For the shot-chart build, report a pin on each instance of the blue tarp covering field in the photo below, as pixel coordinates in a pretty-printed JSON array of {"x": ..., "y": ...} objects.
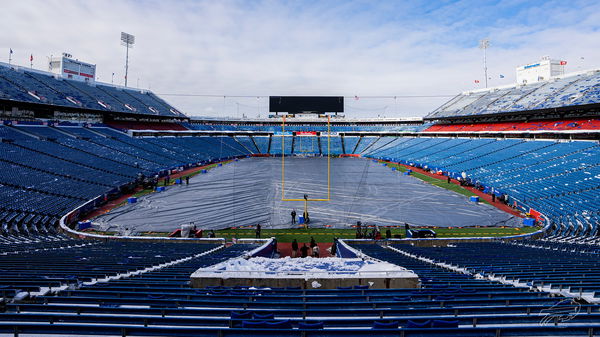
[{"x": 249, "y": 191}]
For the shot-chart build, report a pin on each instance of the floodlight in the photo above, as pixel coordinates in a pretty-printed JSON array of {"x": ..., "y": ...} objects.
[
  {"x": 127, "y": 40},
  {"x": 484, "y": 44}
]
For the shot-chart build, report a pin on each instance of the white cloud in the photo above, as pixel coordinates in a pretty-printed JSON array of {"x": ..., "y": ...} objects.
[{"x": 304, "y": 48}]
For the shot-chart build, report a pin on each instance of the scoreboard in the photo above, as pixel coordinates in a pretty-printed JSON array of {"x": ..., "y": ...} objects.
[
  {"x": 72, "y": 69},
  {"x": 306, "y": 104}
]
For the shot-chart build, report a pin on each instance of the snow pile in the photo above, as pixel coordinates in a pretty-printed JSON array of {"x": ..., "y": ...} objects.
[{"x": 330, "y": 267}]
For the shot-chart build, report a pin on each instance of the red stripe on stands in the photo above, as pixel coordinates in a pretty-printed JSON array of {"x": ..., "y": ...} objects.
[{"x": 557, "y": 125}]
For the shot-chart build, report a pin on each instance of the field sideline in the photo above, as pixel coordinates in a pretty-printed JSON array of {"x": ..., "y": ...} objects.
[{"x": 327, "y": 235}]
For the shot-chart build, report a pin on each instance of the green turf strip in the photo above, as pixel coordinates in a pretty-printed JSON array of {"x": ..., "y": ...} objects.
[{"x": 327, "y": 235}]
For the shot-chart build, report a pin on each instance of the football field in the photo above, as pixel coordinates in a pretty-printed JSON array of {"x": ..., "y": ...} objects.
[{"x": 251, "y": 191}]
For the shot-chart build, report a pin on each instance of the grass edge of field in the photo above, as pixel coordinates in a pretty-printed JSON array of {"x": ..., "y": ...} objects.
[{"x": 327, "y": 234}]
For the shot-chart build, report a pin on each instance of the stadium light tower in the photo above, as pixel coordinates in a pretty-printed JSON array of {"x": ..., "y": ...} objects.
[
  {"x": 127, "y": 40},
  {"x": 484, "y": 44}
]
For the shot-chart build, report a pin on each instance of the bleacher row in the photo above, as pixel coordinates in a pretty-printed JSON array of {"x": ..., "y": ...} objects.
[
  {"x": 573, "y": 268},
  {"x": 75, "y": 288},
  {"x": 47, "y": 171},
  {"x": 126, "y": 126},
  {"x": 89, "y": 288},
  {"x": 576, "y": 90},
  {"x": 24, "y": 85},
  {"x": 559, "y": 179},
  {"x": 472, "y": 279}
]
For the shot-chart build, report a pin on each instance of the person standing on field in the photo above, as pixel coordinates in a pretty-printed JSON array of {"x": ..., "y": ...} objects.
[
  {"x": 304, "y": 250},
  {"x": 315, "y": 251},
  {"x": 294, "y": 248},
  {"x": 258, "y": 229}
]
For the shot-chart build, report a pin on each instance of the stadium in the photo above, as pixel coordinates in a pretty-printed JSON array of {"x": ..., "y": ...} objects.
[{"x": 124, "y": 214}]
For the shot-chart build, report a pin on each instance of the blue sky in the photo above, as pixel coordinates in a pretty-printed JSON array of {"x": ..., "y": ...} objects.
[{"x": 261, "y": 48}]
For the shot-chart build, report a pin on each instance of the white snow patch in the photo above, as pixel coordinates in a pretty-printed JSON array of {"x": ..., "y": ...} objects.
[{"x": 330, "y": 267}]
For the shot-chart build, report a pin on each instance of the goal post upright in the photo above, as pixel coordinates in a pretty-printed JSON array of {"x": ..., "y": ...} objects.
[
  {"x": 328, "y": 157},
  {"x": 282, "y": 158}
]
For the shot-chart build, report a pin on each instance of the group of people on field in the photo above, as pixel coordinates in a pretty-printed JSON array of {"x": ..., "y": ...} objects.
[
  {"x": 311, "y": 250},
  {"x": 363, "y": 232}
]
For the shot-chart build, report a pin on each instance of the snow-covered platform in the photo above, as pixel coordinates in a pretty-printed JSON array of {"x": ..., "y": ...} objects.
[{"x": 306, "y": 273}]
